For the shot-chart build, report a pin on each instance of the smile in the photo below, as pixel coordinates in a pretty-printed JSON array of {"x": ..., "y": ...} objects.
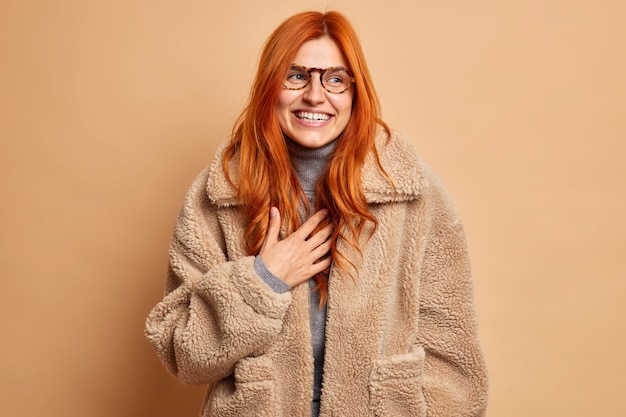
[{"x": 312, "y": 117}]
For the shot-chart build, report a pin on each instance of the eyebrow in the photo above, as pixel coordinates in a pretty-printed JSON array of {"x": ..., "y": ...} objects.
[{"x": 298, "y": 66}]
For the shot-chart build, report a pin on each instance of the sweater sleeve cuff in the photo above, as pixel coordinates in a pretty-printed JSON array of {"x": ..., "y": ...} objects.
[{"x": 275, "y": 283}]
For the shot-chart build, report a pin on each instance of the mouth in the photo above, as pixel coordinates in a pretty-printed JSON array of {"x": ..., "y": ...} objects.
[{"x": 312, "y": 117}]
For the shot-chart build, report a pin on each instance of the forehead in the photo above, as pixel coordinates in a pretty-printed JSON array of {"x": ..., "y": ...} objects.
[{"x": 320, "y": 53}]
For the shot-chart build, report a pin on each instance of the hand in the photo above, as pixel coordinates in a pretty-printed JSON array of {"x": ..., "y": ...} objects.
[{"x": 296, "y": 259}]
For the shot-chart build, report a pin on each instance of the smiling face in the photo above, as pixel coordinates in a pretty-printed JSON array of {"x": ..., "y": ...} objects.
[{"x": 312, "y": 116}]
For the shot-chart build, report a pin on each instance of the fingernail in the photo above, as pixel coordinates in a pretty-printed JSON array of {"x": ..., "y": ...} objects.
[{"x": 273, "y": 211}]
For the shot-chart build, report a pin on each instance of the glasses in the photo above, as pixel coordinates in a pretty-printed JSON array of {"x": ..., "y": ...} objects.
[{"x": 335, "y": 80}]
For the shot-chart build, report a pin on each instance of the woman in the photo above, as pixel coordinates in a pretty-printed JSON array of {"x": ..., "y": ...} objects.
[{"x": 317, "y": 266}]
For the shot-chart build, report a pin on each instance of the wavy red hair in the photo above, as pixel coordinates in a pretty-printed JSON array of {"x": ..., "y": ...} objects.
[{"x": 265, "y": 175}]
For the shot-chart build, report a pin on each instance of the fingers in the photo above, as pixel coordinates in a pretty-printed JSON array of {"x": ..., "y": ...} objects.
[
  {"x": 273, "y": 229},
  {"x": 309, "y": 226},
  {"x": 299, "y": 256},
  {"x": 326, "y": 232},
  {"x": 321, "y": 250},
  {"x": 320, "y": 236},
  {"x": 320, "y": 266}
]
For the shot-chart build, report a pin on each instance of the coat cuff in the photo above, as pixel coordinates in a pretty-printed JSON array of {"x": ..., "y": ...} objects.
[{"x": 275, "y": 283}]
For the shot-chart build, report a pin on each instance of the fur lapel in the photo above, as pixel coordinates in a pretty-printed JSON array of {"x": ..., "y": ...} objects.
[{"x": 397, "y": 156}]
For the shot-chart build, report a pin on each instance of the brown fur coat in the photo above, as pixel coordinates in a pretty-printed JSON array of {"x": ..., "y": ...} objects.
[{"x": 401, "y": 338}]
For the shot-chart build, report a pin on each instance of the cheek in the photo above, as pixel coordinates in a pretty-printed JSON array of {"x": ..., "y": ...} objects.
[
  {"x": 283, "y": 106},
  {"x": 344, "y": 107},
  {"x": 282, "y": 111},
  {"x": 284, "y": 101}
]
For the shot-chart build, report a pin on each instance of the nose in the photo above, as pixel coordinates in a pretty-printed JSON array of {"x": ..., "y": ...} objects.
[{"x": 314, "y": 93}]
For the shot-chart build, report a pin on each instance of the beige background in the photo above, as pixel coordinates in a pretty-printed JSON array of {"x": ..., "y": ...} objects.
[{"x": 109, "y": 108}]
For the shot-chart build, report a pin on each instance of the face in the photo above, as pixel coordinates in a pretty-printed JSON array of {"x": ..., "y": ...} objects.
[{"x": 312, "y": 116}]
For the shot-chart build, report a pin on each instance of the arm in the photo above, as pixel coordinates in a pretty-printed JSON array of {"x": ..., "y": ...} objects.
[
  {"x": 455, "y": 376},
  {"x": 216, "y": 310}
]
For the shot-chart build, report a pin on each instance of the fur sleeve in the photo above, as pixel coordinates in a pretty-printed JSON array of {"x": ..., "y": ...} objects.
[
  {"x": 215, "y": 310},
  {"x": 455, "y": 375}
]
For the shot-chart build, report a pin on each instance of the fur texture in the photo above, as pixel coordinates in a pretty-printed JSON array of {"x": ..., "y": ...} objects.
[{"x": 401, "y": 336}]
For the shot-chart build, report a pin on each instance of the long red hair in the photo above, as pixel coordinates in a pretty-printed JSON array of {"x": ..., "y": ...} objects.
[{"x": 266, "y": 177}]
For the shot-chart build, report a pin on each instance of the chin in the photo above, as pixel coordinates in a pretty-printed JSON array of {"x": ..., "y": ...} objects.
[{"x": 313, "y": 143}]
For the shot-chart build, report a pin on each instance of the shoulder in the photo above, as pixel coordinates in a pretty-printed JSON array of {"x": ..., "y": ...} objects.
[
  {"x": 397, "y": 154},
  {"x": 401, "y": 164},
  {"x": 411, "y": 175},
  {"x": 213, "y": 183}
]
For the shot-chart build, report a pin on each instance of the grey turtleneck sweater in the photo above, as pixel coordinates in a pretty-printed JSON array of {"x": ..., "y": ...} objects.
[{"x": 309, "y": 165}]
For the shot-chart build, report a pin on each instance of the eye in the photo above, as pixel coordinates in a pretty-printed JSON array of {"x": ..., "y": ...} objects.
[
  {"x": 336, "y": 77},
  {"x": 297, "y": 76}
]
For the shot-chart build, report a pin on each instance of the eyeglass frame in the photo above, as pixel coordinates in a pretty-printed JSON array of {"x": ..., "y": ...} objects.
[{"x": 321, "y": 71}]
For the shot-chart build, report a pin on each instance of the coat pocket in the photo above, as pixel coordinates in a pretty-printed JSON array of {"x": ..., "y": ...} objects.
[
  {"x": 396, "y": 386},
  {"x": 248, "y": 393}
]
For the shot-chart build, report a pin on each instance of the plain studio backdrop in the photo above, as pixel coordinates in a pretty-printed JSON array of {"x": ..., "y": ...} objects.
[{"x": 108, "y": 109}]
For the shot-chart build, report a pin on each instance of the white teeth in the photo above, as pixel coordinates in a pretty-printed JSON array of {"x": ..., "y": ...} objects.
[{"x": 314, "y": 117}]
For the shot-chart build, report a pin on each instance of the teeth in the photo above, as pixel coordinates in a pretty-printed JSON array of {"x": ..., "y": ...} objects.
[{"x": 316, "y": 117}]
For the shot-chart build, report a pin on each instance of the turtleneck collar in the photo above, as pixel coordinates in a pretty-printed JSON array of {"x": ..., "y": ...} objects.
[{"x": 309, "y": 163}]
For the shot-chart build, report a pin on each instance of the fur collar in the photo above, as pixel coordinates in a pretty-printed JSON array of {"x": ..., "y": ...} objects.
[{"x": 397, "y": 156}]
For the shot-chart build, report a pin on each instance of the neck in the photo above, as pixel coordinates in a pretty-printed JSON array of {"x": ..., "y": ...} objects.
[{"x": 309, "y": 163}]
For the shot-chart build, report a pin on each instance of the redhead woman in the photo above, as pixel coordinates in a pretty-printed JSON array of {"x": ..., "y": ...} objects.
[{"x": 318, "y": 267}]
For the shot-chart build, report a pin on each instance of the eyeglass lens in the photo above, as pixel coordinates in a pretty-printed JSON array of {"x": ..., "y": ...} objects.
[{"x": 334, "y": 79}]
